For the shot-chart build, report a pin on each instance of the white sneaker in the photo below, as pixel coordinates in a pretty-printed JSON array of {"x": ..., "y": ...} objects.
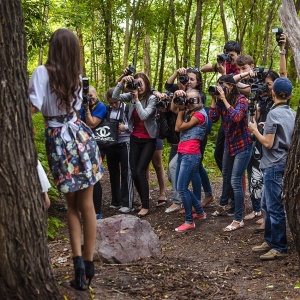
[{"x": 124, "y": 210}]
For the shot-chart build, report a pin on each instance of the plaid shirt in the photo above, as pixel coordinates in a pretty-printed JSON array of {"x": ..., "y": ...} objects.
[{"x": 235, "y": 125}]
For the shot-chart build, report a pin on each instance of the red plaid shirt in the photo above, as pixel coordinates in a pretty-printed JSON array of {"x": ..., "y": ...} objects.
[{"x": 235, "y": 125}]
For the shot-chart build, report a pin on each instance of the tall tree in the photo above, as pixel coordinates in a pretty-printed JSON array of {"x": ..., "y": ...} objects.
[
  {"x": 25, "y": 271},
  {"x": 291, "y": 25}
]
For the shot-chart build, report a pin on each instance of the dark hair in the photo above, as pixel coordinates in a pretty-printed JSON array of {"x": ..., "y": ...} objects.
[
  {"x": 232, "y": 46},
  {"x": 244, "y": 60},
  {"x": 64, "y": 67},
  {"x": 146, "y": 82},
  {"x": 109, "y": 93},
  {"x": 234, "y": 94},
  {"x": 198, "y": 77},
  {"x": 272, "y": 75}
]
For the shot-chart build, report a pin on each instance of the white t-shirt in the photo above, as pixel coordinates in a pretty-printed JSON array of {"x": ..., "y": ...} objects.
[{"x": 41, "y": 96}]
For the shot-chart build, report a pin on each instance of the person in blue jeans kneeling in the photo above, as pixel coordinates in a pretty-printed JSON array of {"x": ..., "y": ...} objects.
[
  {"x": 191, "y": 122},
  {"x": 276, "y": 139}
]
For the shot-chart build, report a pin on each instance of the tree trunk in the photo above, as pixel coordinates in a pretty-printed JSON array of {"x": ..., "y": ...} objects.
[
  {"x": 147, "y": 61},
  {"x": 186, "y": 44},
  {"x": 25, "y": 264},
  {"x": 291, "y": 25},
  {"x": 174, "y": 34},
  {"x": 198, "y": 33},
  {"x": 44, "y": 22},
  {"x": 223, "y": 20},
  {"x": 80, "y": 38},
  {"x": 128, "y": 33},
  {"x": 163, "y": 51}
]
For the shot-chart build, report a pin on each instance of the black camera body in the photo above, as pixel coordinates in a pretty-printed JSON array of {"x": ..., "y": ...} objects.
[
  {"x": 86, "y": 99},
  {"x": 179, "y": 100},
  {"x": 212, "y": 90},
  {"x": 183, "y": 78},
  {"x": 163, "y": 104},
  {"x": 131, "y": 70},
  {"x": 132, "y": 85},
  {"x": 183, "y": 100},
  {"x": 278, "y": 31},
  {"x": 221, "y": 58}
]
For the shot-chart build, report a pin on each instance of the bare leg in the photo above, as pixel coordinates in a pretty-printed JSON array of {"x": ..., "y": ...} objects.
[
  {"x": 85, "y": 205},
  {"x": 74, "y": 223},
  {"x": 160, "y": 173}
]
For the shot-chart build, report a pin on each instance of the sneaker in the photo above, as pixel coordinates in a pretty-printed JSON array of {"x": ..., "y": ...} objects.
[
  {"x": 173, "y": 207},
  {"x": 99, "y": 216},
  {"x": 185, "y": 227},
  {"x": 199, "y": 217},
  {"x": 273, "y": 254},
  {"x": 263, "y": 247},
  {"x": 114, "y": 206},
  {"x": 124, "y": 210}
]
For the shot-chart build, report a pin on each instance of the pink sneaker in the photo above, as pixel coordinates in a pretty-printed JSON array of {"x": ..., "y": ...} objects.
[
  {"x": 185, "y": 227},
  {"x": 200, "y": 217}
]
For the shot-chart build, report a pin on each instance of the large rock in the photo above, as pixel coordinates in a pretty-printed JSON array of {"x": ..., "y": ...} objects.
[{"x": 125, "y": 238}]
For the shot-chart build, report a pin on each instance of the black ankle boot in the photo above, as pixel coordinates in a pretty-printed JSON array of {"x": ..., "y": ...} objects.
[
  {"x": 79, "y": 282},
  {"x": 89, "y": 270}
]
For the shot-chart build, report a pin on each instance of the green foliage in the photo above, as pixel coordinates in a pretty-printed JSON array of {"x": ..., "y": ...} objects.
[
  {"x": 295, "y": 98},
  {"x": 53, "y": 225}
]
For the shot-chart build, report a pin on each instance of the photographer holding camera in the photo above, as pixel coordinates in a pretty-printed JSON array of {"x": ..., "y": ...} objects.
[
  {"x": 92, "y": 113},
  {"x": 191, "y": 122},
  {"x": 226, "y": 61},
  {"x": 232, "y": 107},
  {"x": 143, "y": 127},
  {"x": 276, "y": 139}
]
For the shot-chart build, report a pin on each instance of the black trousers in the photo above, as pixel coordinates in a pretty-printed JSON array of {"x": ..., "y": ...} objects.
[
  {"x": 117, "y": 158},
  {"x": 141, "y": 152},
  {"x": 219, "y": 150},
  {"x": 97, "y": 194}
]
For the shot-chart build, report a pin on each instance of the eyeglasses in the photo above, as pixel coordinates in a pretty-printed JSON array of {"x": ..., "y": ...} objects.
[{"x": 193, "y": 69}]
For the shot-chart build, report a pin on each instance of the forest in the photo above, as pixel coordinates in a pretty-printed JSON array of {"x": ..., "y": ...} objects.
[{"x": 157, "y": 37}]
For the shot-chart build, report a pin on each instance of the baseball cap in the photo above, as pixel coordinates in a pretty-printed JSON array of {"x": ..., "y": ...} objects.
[{"x": 282, "y": 87}]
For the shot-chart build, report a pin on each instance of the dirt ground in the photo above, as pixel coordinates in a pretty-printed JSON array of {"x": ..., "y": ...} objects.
[{"x": 204, "y": 263}]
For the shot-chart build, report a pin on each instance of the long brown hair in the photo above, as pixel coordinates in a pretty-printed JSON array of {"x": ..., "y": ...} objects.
[{"x": 64, "y": 67}]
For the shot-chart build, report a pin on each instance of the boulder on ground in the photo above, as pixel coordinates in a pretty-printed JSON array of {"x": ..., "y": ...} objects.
[{"x": 125, "y": 238}]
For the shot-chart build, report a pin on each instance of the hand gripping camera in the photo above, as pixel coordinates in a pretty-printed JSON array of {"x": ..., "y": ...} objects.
[
  {"x": 221, "y": 58},
  {"x": 86, "y": 99},
  {"x": 278, "y": 31},
  {"x": 132, "y": 85}
]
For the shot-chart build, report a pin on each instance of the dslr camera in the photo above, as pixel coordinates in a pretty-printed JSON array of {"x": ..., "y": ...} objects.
[
  {"x": 86, "y": 99},
  {"x": 183, "y": 100},
  {"x": 221, "y": 58},
  {"x": 278, "y": 31},
  {"x": 163, "y": 104},
  {"x": 183, "y": 78},
  {"x": 212, "y": 90},
  {"x": 131, "y": 70},
  {"x": 133, "y": 85}
]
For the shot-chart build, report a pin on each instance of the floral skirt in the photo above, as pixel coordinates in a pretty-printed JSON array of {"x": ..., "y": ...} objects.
[{"x": 74, "y": 164}]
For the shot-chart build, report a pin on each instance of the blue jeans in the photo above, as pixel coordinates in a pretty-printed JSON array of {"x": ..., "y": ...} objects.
[
  {"x": 200, "y": 179},
  {"x": 172, "y": 178},
  {"x": 275, "y": 223},
  {"x": 233, "y": 169},
  {"x": 187, "y": 165}
]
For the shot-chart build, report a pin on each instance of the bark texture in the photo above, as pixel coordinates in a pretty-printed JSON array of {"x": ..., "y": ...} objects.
[
  {"x": 291, "y": 25},
  {"x": 25, "y": 265}
]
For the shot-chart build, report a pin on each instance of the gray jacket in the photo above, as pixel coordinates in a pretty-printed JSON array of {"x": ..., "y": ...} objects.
[{"x": 146, "y": 110}]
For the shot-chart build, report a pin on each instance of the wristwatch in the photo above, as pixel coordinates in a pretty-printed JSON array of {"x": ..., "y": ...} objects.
[{"x": 282, "y": 52}]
